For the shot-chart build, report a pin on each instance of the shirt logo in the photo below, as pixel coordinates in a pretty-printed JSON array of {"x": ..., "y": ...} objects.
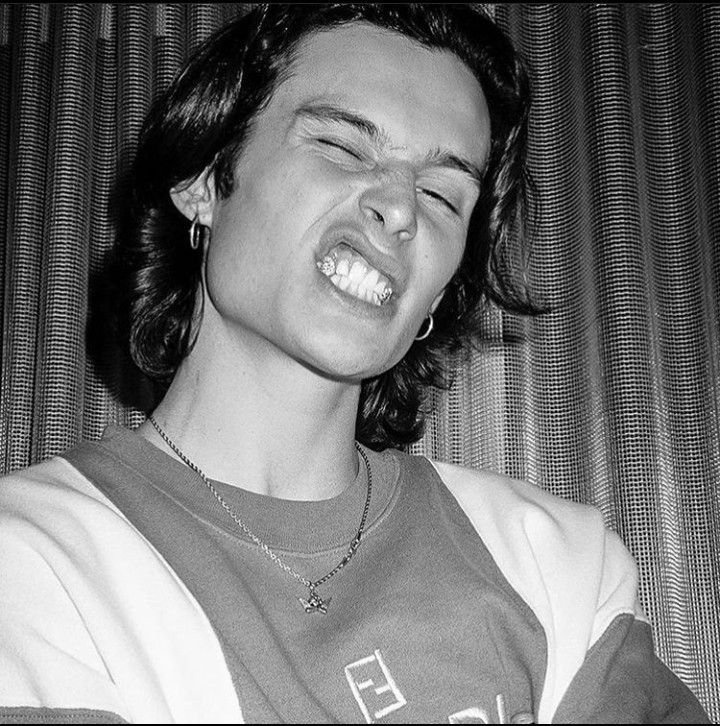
[
  {"x": 480, "y": 715},
  {"x": 377, "y": 694},
  {"x": 373, "y": 687}
]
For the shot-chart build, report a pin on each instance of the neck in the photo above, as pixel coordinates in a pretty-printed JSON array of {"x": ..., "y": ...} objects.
[{"x": 270, "y": 426}]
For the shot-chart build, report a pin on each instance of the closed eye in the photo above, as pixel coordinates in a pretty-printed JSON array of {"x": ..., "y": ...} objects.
[
  {"x": 341, "y": 147},
  {"x": 440, "y": 198}
]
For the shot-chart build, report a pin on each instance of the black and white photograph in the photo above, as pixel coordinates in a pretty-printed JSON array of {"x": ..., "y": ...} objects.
[{"x": 360, "y": 363}]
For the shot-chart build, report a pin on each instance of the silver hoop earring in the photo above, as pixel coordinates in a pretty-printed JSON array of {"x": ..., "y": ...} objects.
[
  {"x": 429, "y": 328},
  {"x": 195, "y": 234}
]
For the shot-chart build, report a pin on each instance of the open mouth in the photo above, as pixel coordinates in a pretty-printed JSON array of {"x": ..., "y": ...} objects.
[{"x": 350, "y": 272}]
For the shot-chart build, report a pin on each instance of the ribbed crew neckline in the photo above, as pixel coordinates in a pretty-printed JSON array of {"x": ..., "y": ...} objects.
[{"x": 302, "y": 527}]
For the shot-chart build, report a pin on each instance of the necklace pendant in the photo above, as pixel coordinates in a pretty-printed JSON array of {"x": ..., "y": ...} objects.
[{"x": 315, "y": 604}]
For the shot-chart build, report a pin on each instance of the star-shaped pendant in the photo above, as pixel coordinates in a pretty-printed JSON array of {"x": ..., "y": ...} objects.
[{"x": 315, "y": 604}]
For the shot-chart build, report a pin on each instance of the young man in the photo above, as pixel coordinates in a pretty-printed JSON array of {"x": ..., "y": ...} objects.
[{"x": 322, "y": 200}]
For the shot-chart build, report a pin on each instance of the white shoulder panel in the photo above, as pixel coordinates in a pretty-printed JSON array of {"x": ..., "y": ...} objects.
[
  {"x": 576, "y": 575},
  {"x": 92, "y": 615}
]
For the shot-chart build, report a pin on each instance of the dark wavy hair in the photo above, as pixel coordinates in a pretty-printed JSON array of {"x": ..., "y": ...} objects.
[{"x": 201, "y": 122}]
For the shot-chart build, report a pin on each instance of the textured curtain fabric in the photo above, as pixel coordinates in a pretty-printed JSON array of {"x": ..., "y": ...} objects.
[{"x": 612, "y": 398}]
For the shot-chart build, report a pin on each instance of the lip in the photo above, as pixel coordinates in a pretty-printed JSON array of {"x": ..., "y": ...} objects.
[
  {"x": 359, "y": 307},
  {"x": 384, "y": 263}
]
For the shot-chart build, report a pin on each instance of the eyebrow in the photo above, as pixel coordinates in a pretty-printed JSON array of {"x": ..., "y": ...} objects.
[
  {"x": 333, "y": 114},
  {"x": 437, "y": 157}
]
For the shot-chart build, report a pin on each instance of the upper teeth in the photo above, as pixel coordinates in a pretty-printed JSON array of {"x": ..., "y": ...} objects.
[{"x": 351, "y": 273}]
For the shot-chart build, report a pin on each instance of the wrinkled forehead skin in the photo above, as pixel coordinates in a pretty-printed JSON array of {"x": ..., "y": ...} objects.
[{"x": 367, "y": 70}]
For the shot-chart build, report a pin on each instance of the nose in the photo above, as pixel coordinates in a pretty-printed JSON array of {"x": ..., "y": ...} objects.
[{"x": 392, "y": 204}]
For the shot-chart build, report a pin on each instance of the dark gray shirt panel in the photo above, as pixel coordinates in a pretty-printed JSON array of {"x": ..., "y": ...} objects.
[{"x": 421, "y": 624}]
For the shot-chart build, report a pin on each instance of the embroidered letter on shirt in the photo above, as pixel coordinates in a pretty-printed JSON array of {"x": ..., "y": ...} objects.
[
  {"x": 480, "y": 715},
  {"x": 373, "y": 687},
  {"x": 470, "y": 715}
]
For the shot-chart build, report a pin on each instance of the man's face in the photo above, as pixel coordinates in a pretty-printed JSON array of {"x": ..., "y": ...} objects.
[{"x": 358, "y": 180}]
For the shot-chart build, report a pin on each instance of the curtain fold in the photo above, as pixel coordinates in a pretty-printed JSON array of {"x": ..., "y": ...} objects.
[{"x": 612, "y": 398}]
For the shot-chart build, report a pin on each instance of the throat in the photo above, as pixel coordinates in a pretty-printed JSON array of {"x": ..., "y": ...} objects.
[{"x": 262, "y": 421}]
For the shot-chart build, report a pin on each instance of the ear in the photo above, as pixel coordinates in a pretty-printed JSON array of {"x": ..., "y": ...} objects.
[
  {"x": 437, "y": 301},
  {"x": 196, "y": 198}
]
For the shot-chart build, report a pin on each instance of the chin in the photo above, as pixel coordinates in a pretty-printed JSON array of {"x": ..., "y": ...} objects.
[
  {"x": 349, "y": 353},
  {"x": 344, "y": 366}
]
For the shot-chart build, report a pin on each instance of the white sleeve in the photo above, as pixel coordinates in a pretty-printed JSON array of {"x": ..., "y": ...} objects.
[
  {"x": 93, "y": 617},
  {"x": 575, "y": 575}
]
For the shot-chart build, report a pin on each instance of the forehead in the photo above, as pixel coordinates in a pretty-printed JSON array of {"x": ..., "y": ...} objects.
[{"x": 424, "y": 98}]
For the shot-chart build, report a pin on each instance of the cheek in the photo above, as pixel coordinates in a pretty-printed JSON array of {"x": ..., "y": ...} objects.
[
  {"x": 440, "y": 261},
  {"x": 292, "y": 201},
  {"x": 237, "y": 251},
  {"x": 227, "y": 274}
]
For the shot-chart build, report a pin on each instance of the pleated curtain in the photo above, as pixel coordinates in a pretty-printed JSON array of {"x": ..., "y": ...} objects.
[{"x": 612, "y": 398}]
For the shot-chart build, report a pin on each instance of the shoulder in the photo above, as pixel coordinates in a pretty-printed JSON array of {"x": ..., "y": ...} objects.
[
  {"x": 91, "y": 610},
  {"x": 519, "y": 520},
  {"x": 53, "y": 480},
  {"x": 53, "y": 505},
  {"x": 520, "y": 516},
  {"x": 496, "y": 493},
  {"x": 575, "y": 574},
  {"x": 48, "y": 527},
  {"x": 514, "y": 517},
  {"x": 55, "y": 523}
]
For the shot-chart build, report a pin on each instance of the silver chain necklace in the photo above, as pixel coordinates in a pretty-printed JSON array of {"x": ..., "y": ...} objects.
[{"x": 314, "y": 603}]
